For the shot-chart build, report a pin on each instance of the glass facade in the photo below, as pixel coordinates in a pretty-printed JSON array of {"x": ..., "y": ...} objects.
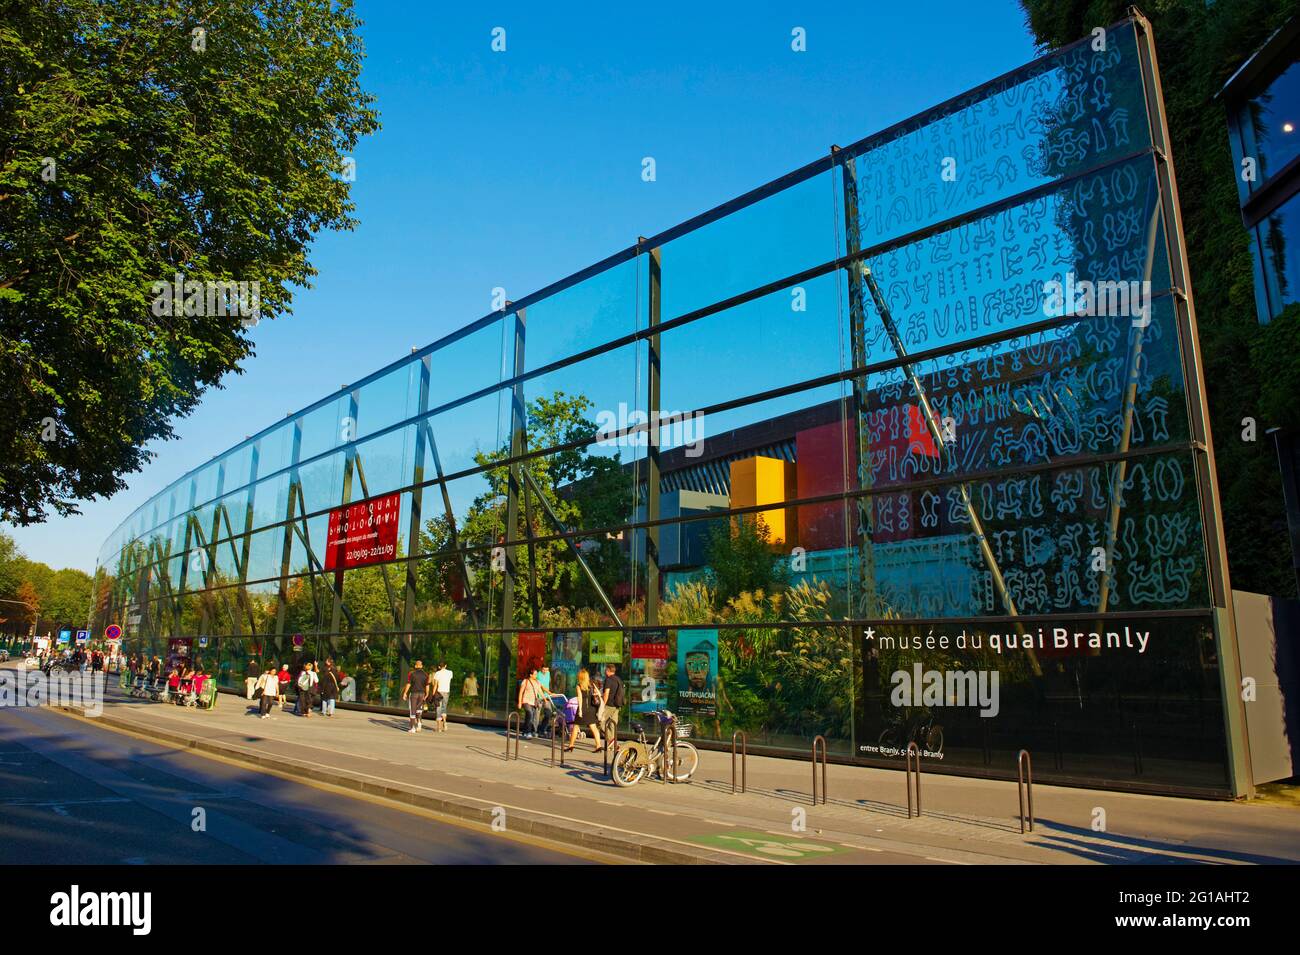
[{"x": 777, "y": 460}]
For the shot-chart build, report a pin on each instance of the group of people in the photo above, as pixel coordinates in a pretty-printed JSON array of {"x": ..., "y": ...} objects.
[
  {"x": 320, "y": 685},
  {"x": 595, "y": 707},
  {"x": 96, "y": 661},
  {"x": 431, "y": 690}
]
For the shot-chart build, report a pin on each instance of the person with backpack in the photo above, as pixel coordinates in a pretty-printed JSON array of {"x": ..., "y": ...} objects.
[
  {"x": 329, "y": 687},
  {"x": 308, "y": 680},
  {"x": 613, "y": 700},
  {"x": 417, "y": 685},
  {"x": 441, "y": 694}
]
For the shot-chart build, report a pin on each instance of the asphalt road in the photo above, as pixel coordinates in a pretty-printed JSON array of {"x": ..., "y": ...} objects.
[{"x": 72, "y": 793}]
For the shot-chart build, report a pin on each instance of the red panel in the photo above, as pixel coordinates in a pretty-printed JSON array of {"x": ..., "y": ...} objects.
[{"x": 819, "y": 469}]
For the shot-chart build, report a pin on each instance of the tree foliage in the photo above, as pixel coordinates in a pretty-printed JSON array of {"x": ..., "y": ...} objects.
[
  {"x": 59, "y": 597},
  {"x": 582, "y": 489},
  {"x": 1251, "y": 371},
  {"x": 141, "y": 139}
]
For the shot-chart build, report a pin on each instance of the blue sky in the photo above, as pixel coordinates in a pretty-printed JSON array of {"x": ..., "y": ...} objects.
[{"x": 515, "y": 169}]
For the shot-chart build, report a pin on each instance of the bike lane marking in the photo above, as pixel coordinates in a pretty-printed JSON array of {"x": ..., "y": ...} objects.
[{"x": 785, "y": 847}]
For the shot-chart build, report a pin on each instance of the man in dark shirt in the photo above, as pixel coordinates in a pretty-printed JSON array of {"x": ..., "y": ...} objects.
[
  {"x": 613, "y": 695},
  {"x": 417, "y": 683}
]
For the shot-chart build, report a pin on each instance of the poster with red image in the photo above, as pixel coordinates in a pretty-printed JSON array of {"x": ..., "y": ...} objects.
[{"x": 363, "y": 533}]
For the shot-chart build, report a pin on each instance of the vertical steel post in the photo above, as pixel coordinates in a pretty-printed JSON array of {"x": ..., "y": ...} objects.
[
  {"x": 652, "y": 444},
  {"x": 868, "y": 602},
  {"x": 286, "y": 553},
  {"x": 518, "y": 443},
  {"x": 417, "y": 499}
]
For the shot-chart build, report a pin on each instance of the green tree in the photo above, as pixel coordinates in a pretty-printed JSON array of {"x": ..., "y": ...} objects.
[
  {"x": 741, "y": 558},
  {"x": 141, "y": 139},
  {"x": 582, "y": 490},
  {"x": 1251, "y": 371}
]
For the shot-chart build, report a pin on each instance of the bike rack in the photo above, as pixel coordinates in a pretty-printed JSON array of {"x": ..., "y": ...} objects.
[
  {"x": 555, "y": 725},
  {"x": 518, "y": 722},
  {"x": 744, "y": 754},
  {"x": 1025, "y": 787},
  {"x": 664, "y": 755},
  {"x": 816, "y": 740},
  {"x": 912, "y": 748}
]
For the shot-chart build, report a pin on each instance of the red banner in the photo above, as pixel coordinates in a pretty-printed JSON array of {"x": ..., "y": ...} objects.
[
  {"x": 532, "y": 651},
  {"x": 650, "y": 651},
  {"x": 363, "y": 533}
]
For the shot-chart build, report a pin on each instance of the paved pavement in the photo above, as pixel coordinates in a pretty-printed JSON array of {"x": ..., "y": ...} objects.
[
  {"x": 72, "y": 792},
  {"x": 966, "y": 821}
]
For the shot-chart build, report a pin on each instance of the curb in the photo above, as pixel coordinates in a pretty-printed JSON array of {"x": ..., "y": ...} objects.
[{"x": 632, "y": 846}]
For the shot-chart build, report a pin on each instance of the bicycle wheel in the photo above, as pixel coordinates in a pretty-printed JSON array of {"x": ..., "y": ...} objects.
[
  {"x": 688, "y": 760},
  {"x": 626, "y": 770},
  {"x": 934, "y": 740}
]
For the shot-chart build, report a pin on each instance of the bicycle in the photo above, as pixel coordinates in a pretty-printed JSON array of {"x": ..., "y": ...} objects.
[
  {"x": 920, "y": 729},
  {"x": 638, "y": 759}
]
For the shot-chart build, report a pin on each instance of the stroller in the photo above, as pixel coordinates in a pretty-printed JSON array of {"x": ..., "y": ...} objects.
[
  {"x": 553, "y": 707},
  {"x": 160, "y": 690},
  {"x": 199, "y": 692}
]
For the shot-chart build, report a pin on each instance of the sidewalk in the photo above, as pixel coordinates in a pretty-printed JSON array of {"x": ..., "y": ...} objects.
[{"x": 463, "y": 772}]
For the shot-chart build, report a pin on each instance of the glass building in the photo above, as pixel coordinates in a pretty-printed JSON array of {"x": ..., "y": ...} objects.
[
  {"x": 1263, "y": 105},
  {"x": 906, "y": 446}
]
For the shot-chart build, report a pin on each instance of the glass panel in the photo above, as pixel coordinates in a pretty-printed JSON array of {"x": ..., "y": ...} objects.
[
  {"x": 1137, "y": 700},
  {"x": 1279, "y": 240},
  {"x": 784, "y": 338},
  {"x": 779, "y": 235},
  {"x": 469, "y": 363},
  {"x": 996, "y": 273},
  {"x": 590, "y": 313},
  {"x": 1270, "y": 124},
  {"x": 1060, "y": 115},
  {"x": 388, "y": 400}
]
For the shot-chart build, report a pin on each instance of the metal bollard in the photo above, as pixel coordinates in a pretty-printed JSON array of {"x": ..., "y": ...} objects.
[
  {"x": 1025, "y": 787},
  {"x": 517, "y": 721},
  {"x": 556, "y": 727},
  {"x": 911, "y": 749},
  {"x": 816, "y": 740},
  {"x": 744, "y": 754}
]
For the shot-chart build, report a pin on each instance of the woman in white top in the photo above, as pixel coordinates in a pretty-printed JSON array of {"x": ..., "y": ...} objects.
[{"x": 269, "y": 685}]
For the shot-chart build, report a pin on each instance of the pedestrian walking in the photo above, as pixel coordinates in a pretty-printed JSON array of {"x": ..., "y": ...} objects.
[
  {"x": 267, "y": 690},
  {"x": 282, "y": 681},
  {"x": 588, "y": 714},
  {"x": 329, "y": 687},
  {"x": 347, "y": 688},
  {"x": 613, "y": 700},
  {"x": 417, "y": 684},
  {"x": 469, "y": 692},
  {"x": 441, "y": 693},
  {"x": 251, "y": 674},
  {"x": 530, "y": 698},
  {"x": 308, "y": 680}
]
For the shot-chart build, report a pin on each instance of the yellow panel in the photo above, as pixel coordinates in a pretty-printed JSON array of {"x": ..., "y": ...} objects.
[{"x": 762, "y": 480}]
